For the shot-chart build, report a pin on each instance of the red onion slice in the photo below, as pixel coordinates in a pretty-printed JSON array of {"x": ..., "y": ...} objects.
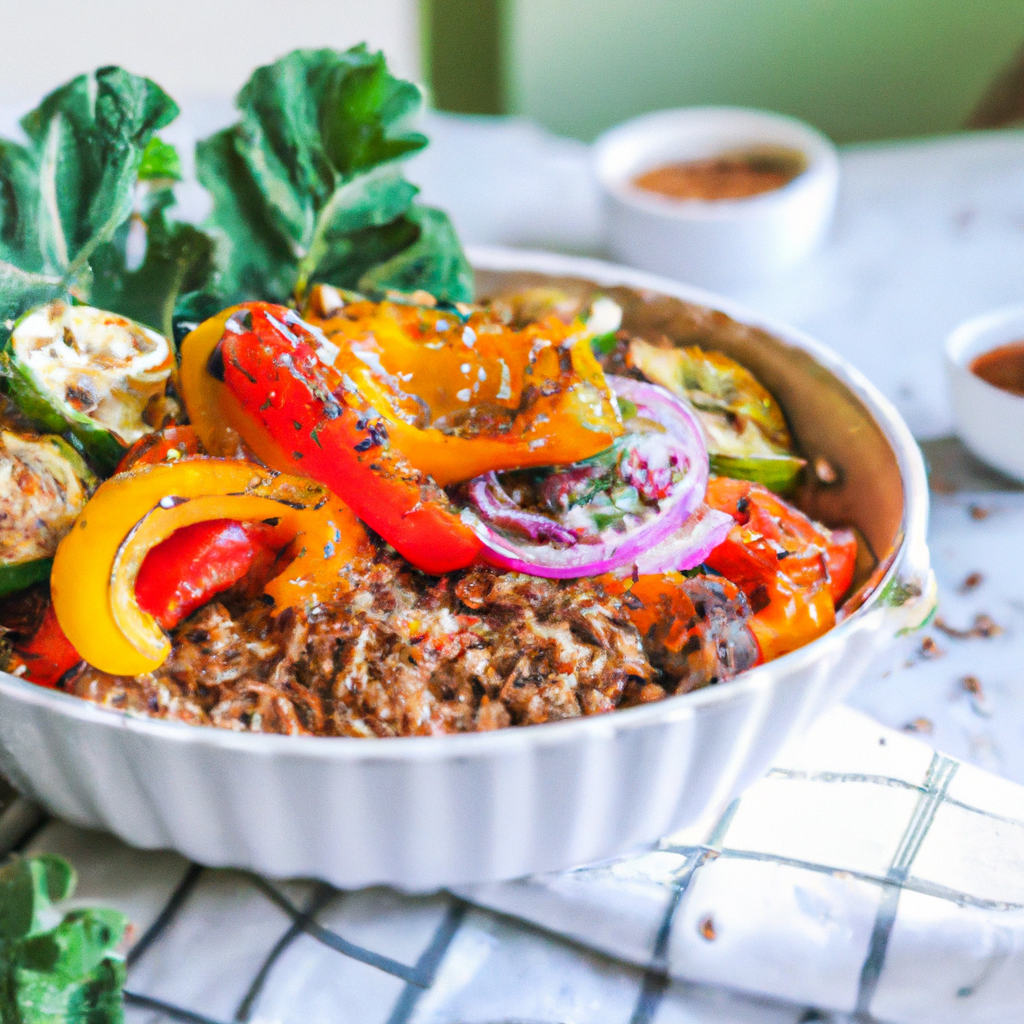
[
  {"x": 669, "y": 531},
  {"x": 689, "y": 545}
]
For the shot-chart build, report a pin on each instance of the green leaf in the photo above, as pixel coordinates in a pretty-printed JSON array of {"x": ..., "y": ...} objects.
[
  {"x": 22, "y": 290},
  {"x": 76, "y": 947},
  {"x": 306, "y": 186},
  {"x": 95, "y": 998},
  {"x": 435, "y": 262},
  {"x": 66, "y": 198},
  {"x": 178, "y": 259},
  {"x": 255, "y": 261},
  {"x": 28, "y": 888},
  {"x": 160, "y": 162},
  {"x": 56, "y": 970},
  {"x": 88, "y": 138}
]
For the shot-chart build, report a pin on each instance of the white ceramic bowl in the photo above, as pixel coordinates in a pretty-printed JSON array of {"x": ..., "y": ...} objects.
[
  {"x": 724, "y": 242},
  {"x": 988, "y": 419},
  {"x": 431, "y": 811}
]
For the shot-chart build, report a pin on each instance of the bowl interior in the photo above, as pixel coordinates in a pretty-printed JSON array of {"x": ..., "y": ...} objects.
[{"x": 828, "y": 420}]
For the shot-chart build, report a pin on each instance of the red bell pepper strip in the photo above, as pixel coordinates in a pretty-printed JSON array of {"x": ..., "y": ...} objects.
[
  {"x": 48, "y": 655},
  {"x": 165, "y": 445},
  {"x": 775, "y": 538},
  {"x": 177, "y": 577},
  {"x": 792, "y": 570},
  {"x": 197, "y": 562},
  {"x": 309, "y": 421}
]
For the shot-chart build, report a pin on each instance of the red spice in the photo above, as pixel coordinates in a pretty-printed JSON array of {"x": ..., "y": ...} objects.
[{"x": 1003, "y": 367}]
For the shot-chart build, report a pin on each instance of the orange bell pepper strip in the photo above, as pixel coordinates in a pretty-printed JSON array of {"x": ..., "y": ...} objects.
[
  {"x": 95, "y": 570},
  {"x": 792, "y": 570},
  {"x": 303, "y": 416},
  {"x": 463, "y": 398}
]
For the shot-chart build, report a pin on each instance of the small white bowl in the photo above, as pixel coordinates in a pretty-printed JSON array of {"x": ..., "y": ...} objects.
[
  {"x": 722, "y": 242},
  {"x": 989, "y": 420}
]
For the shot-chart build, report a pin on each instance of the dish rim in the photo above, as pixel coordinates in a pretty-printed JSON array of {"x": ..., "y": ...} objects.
[{"x": 498, "y": 258}]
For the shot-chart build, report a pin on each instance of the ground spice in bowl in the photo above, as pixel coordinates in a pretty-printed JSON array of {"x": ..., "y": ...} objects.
[
  {"x": 1002, "y": 367},
  {"x": 727, "y": 176}
]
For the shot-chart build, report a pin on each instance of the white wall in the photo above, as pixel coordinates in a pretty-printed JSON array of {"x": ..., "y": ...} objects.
[{"x": 193, "y": 48}]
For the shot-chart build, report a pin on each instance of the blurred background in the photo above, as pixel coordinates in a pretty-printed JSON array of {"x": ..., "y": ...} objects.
[{"x": 858, "y": 69}]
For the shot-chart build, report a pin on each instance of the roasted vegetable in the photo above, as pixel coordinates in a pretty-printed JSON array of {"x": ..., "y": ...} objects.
[
  {"x": 462, "y": 397},
  {"x": 793, "y": 571},
  {"x": 97, "y": 565},
  {"x": 307, "y": 187},
  {"x": 199, "y": 561},
  {"x": 45, "y": 656},
  {"x": 44, "y": 484},
  {"x": 747, "y": 435},
  {"x": 94, "y": 374},
  {"x": 302, "y": 416}
]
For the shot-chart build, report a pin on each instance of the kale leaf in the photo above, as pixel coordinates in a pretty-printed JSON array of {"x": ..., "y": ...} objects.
[
  {"x": 307, "y": 187},
  {"x": 56, "y": 970},
  {"x": 68, "y": 197}
]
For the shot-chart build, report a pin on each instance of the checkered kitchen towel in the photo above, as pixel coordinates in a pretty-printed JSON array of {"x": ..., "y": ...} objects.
[{"x": 865, "y": 875}]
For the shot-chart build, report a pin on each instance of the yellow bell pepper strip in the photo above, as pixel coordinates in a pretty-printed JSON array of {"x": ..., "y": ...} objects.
[
  {"x": 304, "y": 417},
  {"x": 464, "y": 398},
  {"x": 212, "y": 410},
  {"x": 96, "y": 565}
]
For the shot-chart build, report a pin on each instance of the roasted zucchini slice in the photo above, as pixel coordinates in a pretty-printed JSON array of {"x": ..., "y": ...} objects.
[
  {"x": 96, "y": 375},
  {"x": 44, "y": 484},
  {"x": 745, "y": 429}
]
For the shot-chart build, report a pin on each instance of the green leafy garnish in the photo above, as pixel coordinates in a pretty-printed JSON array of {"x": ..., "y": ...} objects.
[
  {"x": 307, "y": 187},
  {"x": 56, "y": 970},
  {"x": 66, "y": 200}
]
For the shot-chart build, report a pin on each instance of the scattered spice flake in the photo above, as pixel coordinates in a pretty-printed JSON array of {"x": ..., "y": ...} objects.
[
  {"x": 971, "y": 582},
  {"x": 941, "y": 485},
  {"x": 984, "y": 628},
  {"x": 977, "y": 512},
  {"x": 972, "y": 684},
  {"x": 707, "y": 929},
  {"x": 930, "y": 649},
  {"x": 922, "y": 725}
]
